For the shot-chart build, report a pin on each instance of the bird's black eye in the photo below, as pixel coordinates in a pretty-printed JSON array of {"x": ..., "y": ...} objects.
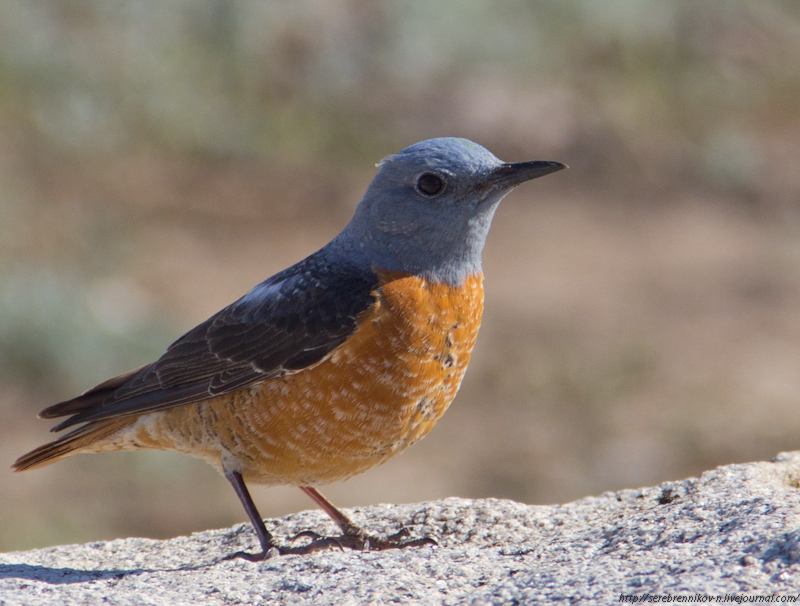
[{"x": 430, "y": 184}]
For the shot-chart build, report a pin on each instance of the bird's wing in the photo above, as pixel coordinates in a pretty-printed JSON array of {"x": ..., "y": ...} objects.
[{"x": 285, "y": 324}]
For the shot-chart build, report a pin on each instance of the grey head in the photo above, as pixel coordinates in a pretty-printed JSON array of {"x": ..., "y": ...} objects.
[{"x": 428, "y": 210}]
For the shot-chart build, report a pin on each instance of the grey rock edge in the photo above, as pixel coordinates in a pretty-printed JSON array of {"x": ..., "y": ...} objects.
[{"x": 734, "y": 530}]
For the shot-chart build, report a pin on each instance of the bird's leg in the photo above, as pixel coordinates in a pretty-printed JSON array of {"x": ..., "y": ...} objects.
[
  {"x": 264, "y": 537},
  {"x": 342, "y": 521},
  {"x": 268, "y": 546},
  {"x": 354, "y": 537}
]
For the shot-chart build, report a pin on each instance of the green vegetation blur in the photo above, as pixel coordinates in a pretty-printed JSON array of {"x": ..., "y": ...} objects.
[{"x": 159, "y": 158}]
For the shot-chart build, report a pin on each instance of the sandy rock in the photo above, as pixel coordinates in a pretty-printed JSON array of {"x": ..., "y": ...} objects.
[{"x": 734, "y": 530}]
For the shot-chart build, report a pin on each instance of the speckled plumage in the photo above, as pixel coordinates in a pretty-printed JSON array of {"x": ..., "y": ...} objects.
[
  {"x": 333, "y": 365},
  {"x": 377, "y": 393}
]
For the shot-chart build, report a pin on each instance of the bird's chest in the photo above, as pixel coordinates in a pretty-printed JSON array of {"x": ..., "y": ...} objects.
[
  {"x": 378, "y": 392},
  {"x": 411, "y": 349}
]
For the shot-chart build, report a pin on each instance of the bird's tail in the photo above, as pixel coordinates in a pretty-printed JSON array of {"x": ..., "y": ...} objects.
[{"x": 88, "y": 438}]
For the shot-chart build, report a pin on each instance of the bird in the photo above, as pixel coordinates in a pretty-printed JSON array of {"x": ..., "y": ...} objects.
[{"x": 331, "y": 366}]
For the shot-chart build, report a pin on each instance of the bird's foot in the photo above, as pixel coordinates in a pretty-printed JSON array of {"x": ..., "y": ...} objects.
[
  {"x": 358, "y": 540},
  {"x": 317, "y": 544},
  {"x": 354, "y": 539},
  {"x": 255, "y": 557}
]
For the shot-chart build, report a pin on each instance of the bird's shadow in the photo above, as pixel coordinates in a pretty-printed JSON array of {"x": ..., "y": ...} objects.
[{"x": 67, "y": 576}]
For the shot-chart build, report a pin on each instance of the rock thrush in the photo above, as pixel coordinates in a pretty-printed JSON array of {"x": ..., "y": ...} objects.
[{"x": 333, "y": 365}]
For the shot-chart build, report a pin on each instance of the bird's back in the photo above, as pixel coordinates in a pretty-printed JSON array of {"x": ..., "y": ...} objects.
[{"x": 373, "y": 396}]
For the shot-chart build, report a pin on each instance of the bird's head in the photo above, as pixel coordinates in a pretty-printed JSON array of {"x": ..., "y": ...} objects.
[{"x": 429, "y": 208}]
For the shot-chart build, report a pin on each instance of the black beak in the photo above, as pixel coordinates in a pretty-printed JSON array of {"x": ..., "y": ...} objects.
[{"x": 514, "y": 173}]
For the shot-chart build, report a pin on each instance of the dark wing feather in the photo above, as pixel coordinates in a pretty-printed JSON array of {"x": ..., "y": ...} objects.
[{"x": 285, "y": 324}]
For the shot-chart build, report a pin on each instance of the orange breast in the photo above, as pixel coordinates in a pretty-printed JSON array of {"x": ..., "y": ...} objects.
[{"x": 376, "y": 394}]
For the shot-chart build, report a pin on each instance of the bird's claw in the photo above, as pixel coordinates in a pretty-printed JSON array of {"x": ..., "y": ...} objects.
[
  {"x": 399, "y": 540},
  {"x": 272, "y": 552},
  {"x": 309, "y": 534},
  {"x": 318, "y": 543},
  {"x": 356, "y": 540},
  {"x": 399, "y": 535}
]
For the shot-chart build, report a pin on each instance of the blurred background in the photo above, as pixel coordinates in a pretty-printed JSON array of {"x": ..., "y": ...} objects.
[{"x": 159, "y": 158}]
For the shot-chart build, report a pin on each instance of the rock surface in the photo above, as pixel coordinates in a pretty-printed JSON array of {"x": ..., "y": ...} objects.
[{"x": 734, "y": 530}]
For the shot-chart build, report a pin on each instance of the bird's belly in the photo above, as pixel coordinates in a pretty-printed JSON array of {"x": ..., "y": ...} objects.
[{"x": 377, "y": 393}]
